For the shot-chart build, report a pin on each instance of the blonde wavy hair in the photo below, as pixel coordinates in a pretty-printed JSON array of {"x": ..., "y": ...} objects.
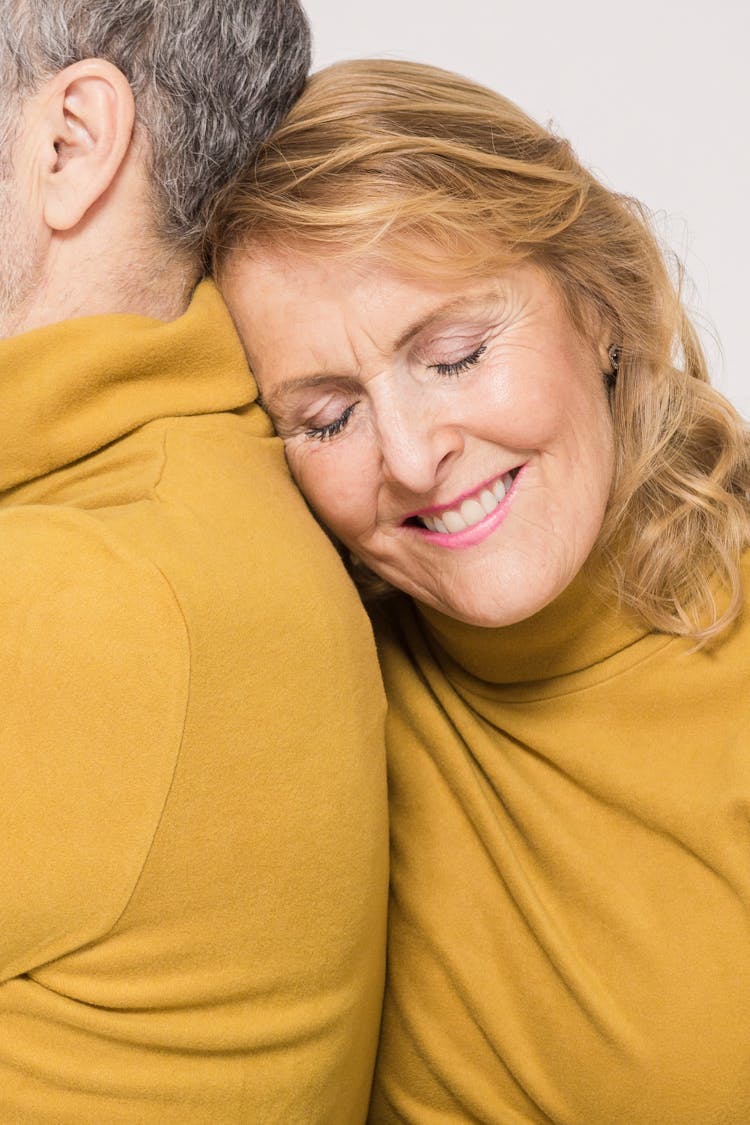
[{"x": 438, "y": 175}]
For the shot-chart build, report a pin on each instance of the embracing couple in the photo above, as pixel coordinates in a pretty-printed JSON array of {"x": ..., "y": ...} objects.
[{"x": 482, "y": 465}]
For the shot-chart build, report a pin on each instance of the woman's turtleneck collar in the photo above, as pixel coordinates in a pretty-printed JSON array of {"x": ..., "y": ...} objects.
[
  {"x": 575, "y": 632},
  {"x": 71, "y": 388}
]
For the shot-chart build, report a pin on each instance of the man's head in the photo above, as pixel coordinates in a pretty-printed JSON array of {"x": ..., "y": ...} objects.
[{"x": 146, "y": 106}]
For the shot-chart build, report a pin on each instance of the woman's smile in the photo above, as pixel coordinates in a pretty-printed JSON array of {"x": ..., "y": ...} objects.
[
  {"x": 455, "y": 437},
  {"x": 468, "y": 519}
]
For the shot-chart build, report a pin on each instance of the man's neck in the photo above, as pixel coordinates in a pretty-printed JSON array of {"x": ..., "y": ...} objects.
[{"x": 159, "y": 293}]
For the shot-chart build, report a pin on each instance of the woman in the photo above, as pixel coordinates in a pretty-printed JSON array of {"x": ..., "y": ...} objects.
[{"x": 489, "y": 392}]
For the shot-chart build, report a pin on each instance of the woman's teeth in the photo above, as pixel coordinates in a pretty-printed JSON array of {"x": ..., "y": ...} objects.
[{"x": 472, "y": 511}]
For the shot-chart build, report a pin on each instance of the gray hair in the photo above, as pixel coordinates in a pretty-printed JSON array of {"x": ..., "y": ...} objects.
[{"x": 211, "y": 79}]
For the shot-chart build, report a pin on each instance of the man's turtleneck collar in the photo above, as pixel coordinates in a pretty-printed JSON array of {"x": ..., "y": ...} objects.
[
  {"x": 69, "y": 389},
  {"x": 576, "y": 631}
]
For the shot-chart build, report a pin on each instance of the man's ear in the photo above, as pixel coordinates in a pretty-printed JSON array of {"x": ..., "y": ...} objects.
[{"x": 89, "y": 116}]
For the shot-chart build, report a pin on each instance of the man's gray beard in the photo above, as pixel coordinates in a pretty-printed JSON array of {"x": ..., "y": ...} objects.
[
  {"x": 19, "y": 260},
  {"x": 19, "y": 266}
]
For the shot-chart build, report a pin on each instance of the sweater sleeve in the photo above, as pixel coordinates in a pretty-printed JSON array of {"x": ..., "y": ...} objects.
[{"x": 94, "y": 675}]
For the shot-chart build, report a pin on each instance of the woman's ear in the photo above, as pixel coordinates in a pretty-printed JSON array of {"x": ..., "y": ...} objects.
[{"x": 88, "y": 121}]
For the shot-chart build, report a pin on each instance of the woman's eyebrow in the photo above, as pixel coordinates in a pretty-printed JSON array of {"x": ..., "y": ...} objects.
[
  {"x": 477, "y": 302},
  {"x": 280, "y": 395}
]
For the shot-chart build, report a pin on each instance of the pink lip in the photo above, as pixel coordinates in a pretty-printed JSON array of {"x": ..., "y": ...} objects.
[
  {"x": 437, "y": 509},
  {"x": 454, "y": 540}
]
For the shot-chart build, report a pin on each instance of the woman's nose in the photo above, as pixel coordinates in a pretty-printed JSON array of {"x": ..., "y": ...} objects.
[{"x": 417, "y": 446}]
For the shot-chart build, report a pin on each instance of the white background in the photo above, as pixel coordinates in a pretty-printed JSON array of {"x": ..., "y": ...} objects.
[{"x": 653, "y": 94}]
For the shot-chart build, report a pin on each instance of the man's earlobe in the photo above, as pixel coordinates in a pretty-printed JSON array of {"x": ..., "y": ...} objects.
[{"x": 90, "y": 116}]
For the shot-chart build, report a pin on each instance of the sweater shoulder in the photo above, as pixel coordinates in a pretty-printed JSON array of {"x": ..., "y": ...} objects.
[
  {"x": 69, "y": 573},
  {"x": 92, "y": 705}
]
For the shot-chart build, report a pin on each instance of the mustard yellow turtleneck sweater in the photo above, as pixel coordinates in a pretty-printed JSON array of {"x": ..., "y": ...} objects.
[
  {"x": 193, "y": 862},
  {"x": 569, "y": 937}
]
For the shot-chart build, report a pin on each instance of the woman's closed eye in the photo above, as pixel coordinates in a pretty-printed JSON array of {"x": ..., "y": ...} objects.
[
  {"x": 460, "y": 365},
  {"x": 330, "y": 429}
]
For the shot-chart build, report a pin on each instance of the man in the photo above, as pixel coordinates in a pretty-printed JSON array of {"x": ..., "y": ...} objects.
[{"x": 193, "y": 870}]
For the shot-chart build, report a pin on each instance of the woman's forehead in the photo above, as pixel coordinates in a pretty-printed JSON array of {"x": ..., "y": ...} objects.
[
  {"x": 294, "y": 313},
  {"x": 280, "y": 283}
]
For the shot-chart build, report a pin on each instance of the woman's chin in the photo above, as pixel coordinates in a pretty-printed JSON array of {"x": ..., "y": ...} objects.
[
  {"x": 513, "y": 600},
  {"x": 486, "y": 589},
  {"x": 487, "y": 613}
]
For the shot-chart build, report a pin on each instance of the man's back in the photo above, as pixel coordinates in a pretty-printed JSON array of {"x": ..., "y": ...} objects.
[{"x": 190, "y": 722}]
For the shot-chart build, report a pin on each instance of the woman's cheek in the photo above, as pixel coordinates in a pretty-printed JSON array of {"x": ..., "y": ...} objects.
[
  {"x": 351, "y": 499},
  {"x": 316, "y": 471}
]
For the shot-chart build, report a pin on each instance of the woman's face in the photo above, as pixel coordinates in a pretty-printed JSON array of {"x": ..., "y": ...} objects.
[{"x": 456, "y": 437}]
